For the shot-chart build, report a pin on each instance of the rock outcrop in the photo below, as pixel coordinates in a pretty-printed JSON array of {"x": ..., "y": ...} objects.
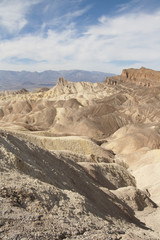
[{"x": 143, "y": 76}]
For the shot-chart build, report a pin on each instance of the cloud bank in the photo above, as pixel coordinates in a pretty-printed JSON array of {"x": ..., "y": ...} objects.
[{"x": 128, "y": 39}]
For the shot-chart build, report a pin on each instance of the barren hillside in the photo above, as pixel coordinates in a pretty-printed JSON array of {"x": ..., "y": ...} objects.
[{"x": 81, "y": 160}]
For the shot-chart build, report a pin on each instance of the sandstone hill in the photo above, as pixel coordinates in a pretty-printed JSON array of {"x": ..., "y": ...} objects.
[
  {"x": 143, "y": 76},
  {"x": 82, "y": 160}
]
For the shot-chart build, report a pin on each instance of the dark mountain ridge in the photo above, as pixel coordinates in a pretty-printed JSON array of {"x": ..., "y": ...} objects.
[{"x": 14, "y": 80}]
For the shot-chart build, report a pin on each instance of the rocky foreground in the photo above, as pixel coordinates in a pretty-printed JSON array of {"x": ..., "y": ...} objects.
[{"x": 82, "y": 160}]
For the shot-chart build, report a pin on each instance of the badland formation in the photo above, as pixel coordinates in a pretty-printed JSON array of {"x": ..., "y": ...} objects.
[{"x": 81, "y": 160}]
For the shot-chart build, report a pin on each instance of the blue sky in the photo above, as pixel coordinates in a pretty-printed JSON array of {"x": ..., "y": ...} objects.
[{"x": 96, "y": 35}]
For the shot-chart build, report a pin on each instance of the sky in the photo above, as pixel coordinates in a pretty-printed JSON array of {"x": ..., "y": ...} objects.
[{"x": 94, "y": 35}]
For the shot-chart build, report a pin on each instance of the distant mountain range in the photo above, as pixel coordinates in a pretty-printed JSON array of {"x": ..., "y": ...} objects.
[{"x": 14, "y": 80}]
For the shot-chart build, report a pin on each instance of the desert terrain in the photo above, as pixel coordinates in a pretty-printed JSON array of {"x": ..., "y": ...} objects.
[{"x": 81, "y": 160}]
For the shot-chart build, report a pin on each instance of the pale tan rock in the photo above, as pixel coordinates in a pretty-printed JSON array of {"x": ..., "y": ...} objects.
[
  {"x": 135, "y": 198},
  {"x": 142, "y": 154}
]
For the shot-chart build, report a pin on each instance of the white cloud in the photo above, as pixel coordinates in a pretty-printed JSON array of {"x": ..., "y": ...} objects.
[
  {"x": 62, "y": 14},
  {"x": 13, "y": 14},
  {"x": 128, "y": 5},
  {"x": 131, "y": 37}
]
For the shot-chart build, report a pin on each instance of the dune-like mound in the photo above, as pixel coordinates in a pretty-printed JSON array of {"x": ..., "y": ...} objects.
[
  {"x": 147, "y": 172},
  {"x": 142, "y": 154},
  {"x": 137, "y": 136},
  {"x": 94, "y": 110},
  {"x": 81, "y": 160},
  {"x": 31, "y": 114},
  {"x": 96, "y": 117}
]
